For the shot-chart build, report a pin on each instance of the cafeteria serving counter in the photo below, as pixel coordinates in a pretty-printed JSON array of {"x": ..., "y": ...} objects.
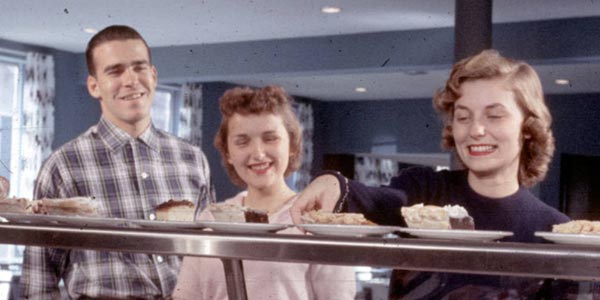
[{"x": 578, "y": 262}]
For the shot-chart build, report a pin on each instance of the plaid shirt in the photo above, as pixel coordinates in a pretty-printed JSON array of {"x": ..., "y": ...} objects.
[{"x": 129, "y": 177}]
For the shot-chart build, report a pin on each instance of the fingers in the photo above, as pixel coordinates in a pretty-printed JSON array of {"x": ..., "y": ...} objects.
[
  {"x": 321, "y": 194},
  {"x": 296, "y": 212}
]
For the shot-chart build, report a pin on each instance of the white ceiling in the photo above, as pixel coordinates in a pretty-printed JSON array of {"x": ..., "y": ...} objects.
[{"x": 58, "y": 24}]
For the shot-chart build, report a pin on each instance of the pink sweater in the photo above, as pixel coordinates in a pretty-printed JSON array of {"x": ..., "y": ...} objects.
[{"x": 204, "y": 278}]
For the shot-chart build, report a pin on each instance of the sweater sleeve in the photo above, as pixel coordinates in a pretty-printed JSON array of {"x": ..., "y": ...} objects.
[{"x": 382, "y": 204}]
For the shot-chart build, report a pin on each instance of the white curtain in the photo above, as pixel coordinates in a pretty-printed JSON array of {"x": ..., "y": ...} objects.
[
  {"x": 190, "y": 114},
  {"x": 38, "y": 118},
  {"x": 301, "y": 178}
]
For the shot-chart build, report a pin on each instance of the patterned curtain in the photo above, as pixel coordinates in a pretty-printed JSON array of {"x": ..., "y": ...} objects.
[
  {"x": 38, "y": 118},
  {"x": 301, "y": 178},
  {"x": 190, "y": 114}
]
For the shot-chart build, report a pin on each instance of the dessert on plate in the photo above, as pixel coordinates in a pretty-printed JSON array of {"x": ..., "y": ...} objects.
[
  {"x": 230, "y": 212},
  {"x": 577, "y": 226},
  {"x": 15, "y": 205},
  {"x": 176, "y": 210},
  {"x": 319, "y": 217},
  {"x": 437, "y": 217},
  {"x": 75, "y": 206}
]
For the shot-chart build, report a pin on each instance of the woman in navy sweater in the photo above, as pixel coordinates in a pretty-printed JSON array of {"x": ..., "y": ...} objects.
[{"x": 497, "y": 122}]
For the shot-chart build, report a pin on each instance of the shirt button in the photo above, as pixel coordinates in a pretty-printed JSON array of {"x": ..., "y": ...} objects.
[
  {"x": 159, "y": 259},
  {"x": 152, "y": 217},
  {"x": 144, "y": 175}
]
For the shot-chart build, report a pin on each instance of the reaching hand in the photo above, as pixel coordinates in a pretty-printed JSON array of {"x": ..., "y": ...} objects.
[{"x": 321, "y": 194}]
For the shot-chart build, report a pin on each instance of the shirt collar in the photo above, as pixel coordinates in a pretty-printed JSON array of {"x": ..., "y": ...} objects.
[{"x": 115, "y": 137}]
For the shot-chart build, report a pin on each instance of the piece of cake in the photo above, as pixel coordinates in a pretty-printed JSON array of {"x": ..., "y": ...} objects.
[
  {"x": 436, "y": 217},
  {"x": 319, "y": 217},
  {"x": 15, "y": 205},
  {"x": 176, "y": 210},
  {"x": 75, "y": 206},
  {"x": 230, "y": 212},
  {"x": 577, "y": 226}
]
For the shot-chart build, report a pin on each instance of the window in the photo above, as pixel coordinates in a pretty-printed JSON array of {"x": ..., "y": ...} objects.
[
  {"x": 11, "y": 91},
  {"x": 11, "y": 87},
  {"x": 164, "y": 109}
]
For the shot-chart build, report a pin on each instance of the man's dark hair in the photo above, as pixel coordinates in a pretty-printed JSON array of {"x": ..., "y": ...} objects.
[{"x": 110, "y": 33}]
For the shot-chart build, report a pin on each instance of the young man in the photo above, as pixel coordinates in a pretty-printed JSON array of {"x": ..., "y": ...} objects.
[{"x": 129, "y": 166}]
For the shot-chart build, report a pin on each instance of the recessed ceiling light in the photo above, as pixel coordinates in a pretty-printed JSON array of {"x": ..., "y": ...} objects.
[
  {"x": 90, "y": 30},
  {"x": 562, "y": 81},
  {"x": 331, "y": 9},
  {"x": 360, "y": 89}
]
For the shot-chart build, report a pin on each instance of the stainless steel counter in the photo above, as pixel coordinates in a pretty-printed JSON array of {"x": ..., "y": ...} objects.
[{"x": 475, "y": 257}]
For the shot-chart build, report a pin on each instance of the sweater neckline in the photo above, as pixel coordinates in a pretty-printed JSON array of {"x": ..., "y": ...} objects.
[{"x": 475, "y": 195}]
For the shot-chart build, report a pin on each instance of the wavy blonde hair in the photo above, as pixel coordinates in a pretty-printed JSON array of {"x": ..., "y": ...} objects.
[
  {"x": 247, "y": 101},
  {"x": 524, "y": 82}
]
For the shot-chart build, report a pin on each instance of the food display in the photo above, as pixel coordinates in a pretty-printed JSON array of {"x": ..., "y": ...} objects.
[
  {"x": 75, "y": 206},
  {"x": 230, "y": 212},
  {"x": 436, "y": 217},
  {"x": 319, "y": 217},
  {"x": 176, "y": 210},
  {"x": 577, "y": 226},
  {"x": 15, "y": 205}
]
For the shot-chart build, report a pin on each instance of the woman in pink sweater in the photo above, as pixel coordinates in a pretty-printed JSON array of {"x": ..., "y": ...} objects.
[{"x": 260, "y": 143}]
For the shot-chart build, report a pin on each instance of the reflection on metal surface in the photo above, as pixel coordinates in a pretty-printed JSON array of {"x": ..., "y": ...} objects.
[{"x": 476, "y": 257}]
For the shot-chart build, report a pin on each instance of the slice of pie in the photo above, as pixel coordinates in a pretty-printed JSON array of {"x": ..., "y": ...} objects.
[
  {"x": 437, "y": 217},
  {"x": 230, "y": 212}
]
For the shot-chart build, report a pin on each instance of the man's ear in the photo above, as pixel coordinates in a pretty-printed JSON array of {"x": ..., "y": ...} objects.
[
  {"x": 92, "y": 85},
  {"x": 154, "y": 75}
]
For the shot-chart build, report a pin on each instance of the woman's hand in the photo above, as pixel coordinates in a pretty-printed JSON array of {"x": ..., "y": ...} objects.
[{"x": 321, "y": 194}]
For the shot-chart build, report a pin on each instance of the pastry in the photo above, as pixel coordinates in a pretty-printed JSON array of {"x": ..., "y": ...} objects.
[
  {"x": 15, "y": 205},
  {"x": 577, "y": 226},
  {"x": 229, "y": 212},
  {"x": 436, "y": 217},
  {"x": 319, "y": 217},
  {"x": 75, "y": 206},
  {"x": 176, "y": 210}
]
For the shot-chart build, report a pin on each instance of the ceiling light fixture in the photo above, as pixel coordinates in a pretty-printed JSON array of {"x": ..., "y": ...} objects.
[
  {"x": 562, "y": 81},
  {"x": 360, "y": 89},
  {"x": 331, "y": 9},
  {"x": 90, "y": 30}
]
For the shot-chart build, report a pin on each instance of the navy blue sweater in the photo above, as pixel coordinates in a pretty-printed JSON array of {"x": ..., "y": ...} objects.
[{"x": 521, "y": 213}]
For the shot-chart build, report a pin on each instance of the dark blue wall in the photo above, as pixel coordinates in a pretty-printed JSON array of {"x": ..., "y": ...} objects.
[
  {"x": 211, "y": 119},
  {"x": 74, "y": 109},
  {"x": 354, "y": 127}
]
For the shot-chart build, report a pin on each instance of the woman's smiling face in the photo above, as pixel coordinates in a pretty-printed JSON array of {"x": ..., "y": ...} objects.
[
  {"x": 487, "y": 128},
  {"x": 259, "y": 149}
]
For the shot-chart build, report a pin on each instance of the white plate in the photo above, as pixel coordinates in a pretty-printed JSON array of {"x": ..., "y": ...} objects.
[
  {"x": 244, "y": 227},
  {"x": 457, "y": 234},
  {"x": 348, "y": 230},
  {"x": 75, "y": 221},
  {"x": 167, "y": 225},
  {"x": 570, "y": 238}
]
